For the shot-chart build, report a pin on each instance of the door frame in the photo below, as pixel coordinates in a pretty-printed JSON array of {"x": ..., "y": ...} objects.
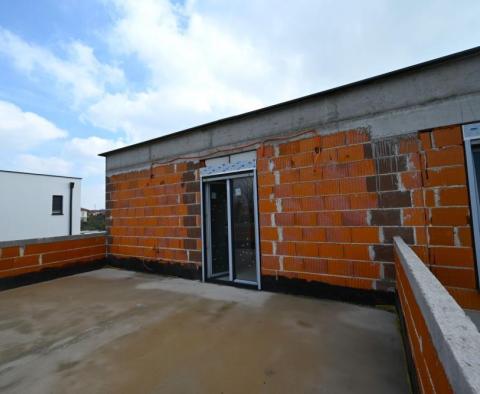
[{"x": 227, "y": 172}]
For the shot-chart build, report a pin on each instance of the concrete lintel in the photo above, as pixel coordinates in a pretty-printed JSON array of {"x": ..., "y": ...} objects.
[
  {"x": 24, "y": 242},
  {"x": 455, "y": 337}
]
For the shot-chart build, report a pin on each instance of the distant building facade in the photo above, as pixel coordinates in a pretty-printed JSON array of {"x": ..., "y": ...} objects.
[
  {"x": 38, "y": 205},
  {"x": 84, "y": 213}
]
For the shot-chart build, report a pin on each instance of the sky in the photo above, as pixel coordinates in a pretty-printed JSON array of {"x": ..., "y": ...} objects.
[{"x": 78, "y": 77}]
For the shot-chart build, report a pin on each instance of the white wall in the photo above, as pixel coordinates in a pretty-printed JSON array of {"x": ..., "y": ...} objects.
[{"x": 26, "y": 206}]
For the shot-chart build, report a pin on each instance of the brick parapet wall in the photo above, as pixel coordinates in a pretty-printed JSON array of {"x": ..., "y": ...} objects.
[
  {"x": 331, "y": 205},
  {"x": 30, "y": 256},
  {"x": 154, "y": 214},
  {"x": 443, "y": 342}
]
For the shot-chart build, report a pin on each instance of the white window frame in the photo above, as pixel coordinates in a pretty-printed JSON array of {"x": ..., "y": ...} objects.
[{"x": 471, "y": 137}]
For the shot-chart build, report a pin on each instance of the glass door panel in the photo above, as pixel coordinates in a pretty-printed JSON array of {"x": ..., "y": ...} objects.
[
  {"x": 218, "y": 228},
  {"x": 243, "y": 229}
]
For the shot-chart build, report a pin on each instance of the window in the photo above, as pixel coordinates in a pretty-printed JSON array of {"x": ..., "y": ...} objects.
[
  {"x": 471, "y": 136},
  {"x": 57, "y": 205}
]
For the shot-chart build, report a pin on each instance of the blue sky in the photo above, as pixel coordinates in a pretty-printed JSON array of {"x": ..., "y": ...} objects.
[{"x": 81, "y": 77}]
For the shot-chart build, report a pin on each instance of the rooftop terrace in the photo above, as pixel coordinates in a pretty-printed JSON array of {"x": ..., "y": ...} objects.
[{"x": 119, "y": 331}]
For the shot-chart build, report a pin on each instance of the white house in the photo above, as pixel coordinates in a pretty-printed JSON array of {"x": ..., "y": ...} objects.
[
  {"x": 38, "y": 205},
  {"x": 84, "y": 214}
]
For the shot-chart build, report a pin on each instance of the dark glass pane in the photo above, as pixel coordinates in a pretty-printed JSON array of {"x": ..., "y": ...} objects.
[
  {"x": 219, "y": 226},
  {"x": 57, "y": 204},
  {"x": 243, "y": 229},
  {"x": 476, "y": 163}
]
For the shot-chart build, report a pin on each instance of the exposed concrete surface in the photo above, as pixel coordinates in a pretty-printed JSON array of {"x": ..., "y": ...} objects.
[{"x": 122, "y": 332}]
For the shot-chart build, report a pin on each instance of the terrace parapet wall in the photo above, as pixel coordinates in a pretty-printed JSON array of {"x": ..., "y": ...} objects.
[
  {"x": 34, "y": 256},
  {"x": 443, "y": 341}
]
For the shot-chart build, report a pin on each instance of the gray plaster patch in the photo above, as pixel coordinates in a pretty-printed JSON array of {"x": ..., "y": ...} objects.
[
  {"x": 209, "y": 291},
  {"x": 110, "y": 274}
]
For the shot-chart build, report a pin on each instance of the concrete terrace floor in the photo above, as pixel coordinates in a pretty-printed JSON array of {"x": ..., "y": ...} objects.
[{"x": 115, "y": 331}]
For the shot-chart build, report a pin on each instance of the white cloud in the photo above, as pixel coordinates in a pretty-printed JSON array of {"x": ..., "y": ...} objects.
[
  {"x": 80, "y": 75},
  {"x": 24, "y": 130},
  {"x": 197, "y": 71},
  {"x": 45, "y": 165},
  {"x": 210, "y": 59},
  {"x": 84, "y": 152},
  {"x": 92, "y": 146}
]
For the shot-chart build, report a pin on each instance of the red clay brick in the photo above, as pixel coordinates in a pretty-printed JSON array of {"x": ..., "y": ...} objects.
[
  {"x": 352, "y": 185},
  {"x": 357, "y": 136},
  {"x": 289, "y": 176},
  {"x": 343, "y": 268},
  {"x": 440, "y": 236},
  {"x": 329, "y": 219},
  {"x": 330, "y": 250},
  {"x": 452, "y": 257},
  {"x": 267, "y": 206},
  {"x": 333, "y": 140},
  {"x": 446, "y": 176},
  {"x": 305, "y": 219},
  {"x": 284, "y": 219},
  {"x": 328, "y": 187},
  {"x": 457, "y": 277},
  {"x": 338, "y": 202},
  {"x": 363, "y": 200},
  {"x": 465, "y": 236},
  {"x": 292, "y": 233},
  {"x": 449, "y": 216},
  {"x": 309, "y": 144},
  {"x": 313, "y": 234},
  {"x": 338, "y": 234},
  {"x": 307, "y": 249},
  {"x": 356, "y": 252},
  {"x": 445, "y": 136},
  {"x": 414, "y": 217},
  {"x": 293, "y": 264},
  {"x": 411, "y": 180},
  {"x": 448, "y": 156},
  {"x": 286, "y": 248},
  {"x": 304, "y": 189},
  {"x": 270, "y": 263},
  {"x": 269, "y": 233},
  {"x": 11, "y": 251},
  {"x": 350, "y": 153},
  {"x": 453, "y": 196},
  {"x": 26, "y": 261},
  {"x": 364, "y": 269},
  {"x": 289, "y": 148},
  {"x": 361, "y": 168},
  {"x": 354, "y": 218},
  {"x": 367, "y": 235}
]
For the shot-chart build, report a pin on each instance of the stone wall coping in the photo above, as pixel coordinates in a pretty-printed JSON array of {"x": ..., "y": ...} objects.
[{"x": 24, "y": 242}]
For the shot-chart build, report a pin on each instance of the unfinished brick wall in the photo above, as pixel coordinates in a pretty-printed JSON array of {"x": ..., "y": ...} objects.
[
  {"x": 154, "y": 215},
  {"x": 25, "y": 258},
  {"x": 431, "y": 374},
  {"x": 330, "y": 206}
]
